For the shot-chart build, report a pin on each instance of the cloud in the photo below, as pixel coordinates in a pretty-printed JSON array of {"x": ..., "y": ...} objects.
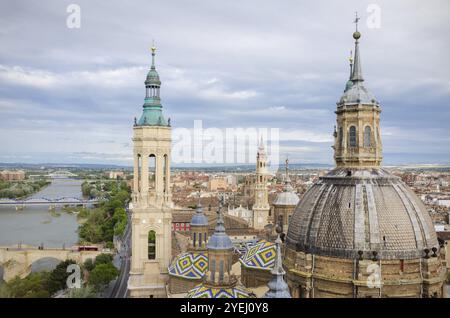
[{"x": 248, "y": 64}]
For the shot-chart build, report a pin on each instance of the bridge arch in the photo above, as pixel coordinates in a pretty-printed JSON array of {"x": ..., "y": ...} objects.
[
  {"x": 18, "y": 262},
  {"x": 44, "y": 264}
]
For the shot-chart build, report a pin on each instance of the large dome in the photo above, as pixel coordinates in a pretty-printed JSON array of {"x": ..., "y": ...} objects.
[{"x": 368, "y": 210}]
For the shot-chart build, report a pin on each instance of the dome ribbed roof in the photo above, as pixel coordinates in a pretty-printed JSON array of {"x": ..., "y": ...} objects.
[
  {"x": 369, "y": 210},
  {"x": 199, "y": 219}
]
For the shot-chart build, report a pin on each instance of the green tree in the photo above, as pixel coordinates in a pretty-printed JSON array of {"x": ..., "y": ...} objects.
[
  {"x": 34, "y": 285},
  {"x": 58, "y": 277},
  {"x": 101, "y": 275},
  {"x": 89, "y": 264},
  {"x": 103, "y": 259}
]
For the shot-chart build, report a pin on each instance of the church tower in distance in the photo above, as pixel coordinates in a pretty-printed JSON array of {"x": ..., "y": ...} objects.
[
  {"x": 151, "y": 198},
  {"x": 261, "y": 206}
]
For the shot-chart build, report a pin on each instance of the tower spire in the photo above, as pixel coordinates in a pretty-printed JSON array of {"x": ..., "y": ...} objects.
[
  {"x": 287, "y": 181},
  {"x": 357, "y": 72},
  {"x": 277, "y": 286}
]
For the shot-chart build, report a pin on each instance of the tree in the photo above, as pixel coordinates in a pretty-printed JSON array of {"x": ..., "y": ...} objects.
[
  {"x": 34, "y": 285},
  {"x": 103, "y": 259},
  {"x": 89, "y": 264},
  {"x": 58, "y": 277},
  {"x": 101, "y": 275},
  {"x": 83, "y": 292}
]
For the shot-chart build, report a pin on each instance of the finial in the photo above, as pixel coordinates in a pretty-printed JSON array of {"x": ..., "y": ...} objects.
[
  {"x": 356, "y": 34},
  {"x": 153, "y": 49}
]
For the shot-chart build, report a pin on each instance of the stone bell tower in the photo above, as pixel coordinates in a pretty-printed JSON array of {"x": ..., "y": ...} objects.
[
  {"x": 357, "y": 142},
  {"x": 152, "y": 204},
  {"x": 261, "y": 206}
]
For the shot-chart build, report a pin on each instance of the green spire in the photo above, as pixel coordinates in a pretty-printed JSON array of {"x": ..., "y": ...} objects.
[{"x": 152, "y": 114}]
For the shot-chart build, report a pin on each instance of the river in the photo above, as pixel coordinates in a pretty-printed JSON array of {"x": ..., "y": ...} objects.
[{"x": 35, "y": 225}]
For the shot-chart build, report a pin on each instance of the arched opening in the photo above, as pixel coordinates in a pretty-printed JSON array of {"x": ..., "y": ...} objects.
[
  {"x": 341, "y": 137},
  {"x": 213, "y": 269},
  {"x": 367, "y": 137},
  {"x": 352, "y": 136},
  {"x": 138, "y": 173},
  {"x": 151, "y": 172},
  {"x": 195, "y": 239},
  {"x": 44, "y": 264},
  {"x": 221, "y": 271},
  {"x": 151, "y": 244},
  {"x": 166, "y": 174}
]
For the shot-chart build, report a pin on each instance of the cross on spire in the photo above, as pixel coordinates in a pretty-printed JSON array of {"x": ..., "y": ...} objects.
[{"x": 356, "y": 20}]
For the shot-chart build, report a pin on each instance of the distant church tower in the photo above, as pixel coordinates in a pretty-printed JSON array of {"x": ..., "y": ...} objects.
[
  {"x": 261, "y": 206},
  {"x": 152, "y": 203}
]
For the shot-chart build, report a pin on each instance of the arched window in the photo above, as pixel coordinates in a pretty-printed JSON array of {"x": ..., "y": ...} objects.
[
  {"x": 221, "y": 270},
  {"x": 195, "y": 238},
  {"x": 151, "y": 245},
  {"x": 367, "y": 137},
  {"x": 213, "y": 269},
  {"x": 200, "y": 243},
  {"x": 352, "y": 136},
  {"x": 341, "y": 137}
]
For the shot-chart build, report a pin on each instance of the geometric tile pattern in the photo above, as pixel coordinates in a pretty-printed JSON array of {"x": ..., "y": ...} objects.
[
  {"x": 259, "y": 256},
  {"x": 200, "y": 291},
  {"x": 189, "y": 265}
]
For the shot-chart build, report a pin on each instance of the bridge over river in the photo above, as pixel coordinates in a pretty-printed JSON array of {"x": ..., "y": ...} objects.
[
  {"x": 17, "y": 261},
  {"x": 21, "y": 203}
]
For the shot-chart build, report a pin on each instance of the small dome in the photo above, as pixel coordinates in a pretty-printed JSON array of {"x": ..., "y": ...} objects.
[
  {"x": 358, "y": 93},
  {"x": 152, "y": 78},
  {"x": 286, "y": 198},
  {"x": 199, "y": 219},
  {"x": 219, "y": 241}
]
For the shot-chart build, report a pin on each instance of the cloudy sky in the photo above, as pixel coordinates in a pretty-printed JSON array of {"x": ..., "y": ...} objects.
[{"x": 69, "y": 95}]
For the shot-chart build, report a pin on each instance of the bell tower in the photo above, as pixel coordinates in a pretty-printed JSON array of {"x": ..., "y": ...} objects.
[
  {"x": 357, "y": 142},
  {"x": 152, "y": 204},
  {"x": 261, "y": 206}
]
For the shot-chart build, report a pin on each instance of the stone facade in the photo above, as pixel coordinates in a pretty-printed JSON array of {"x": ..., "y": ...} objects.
[
  {"x": 151, "y": 221},
  {"x": 314, "y": 276},
  {"x": 261, "y": 206},
  {"x": 252, "y": 278}
]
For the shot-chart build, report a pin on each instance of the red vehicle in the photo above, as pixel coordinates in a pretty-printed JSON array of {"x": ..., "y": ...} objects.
[{"x": 87, "y": 248}]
